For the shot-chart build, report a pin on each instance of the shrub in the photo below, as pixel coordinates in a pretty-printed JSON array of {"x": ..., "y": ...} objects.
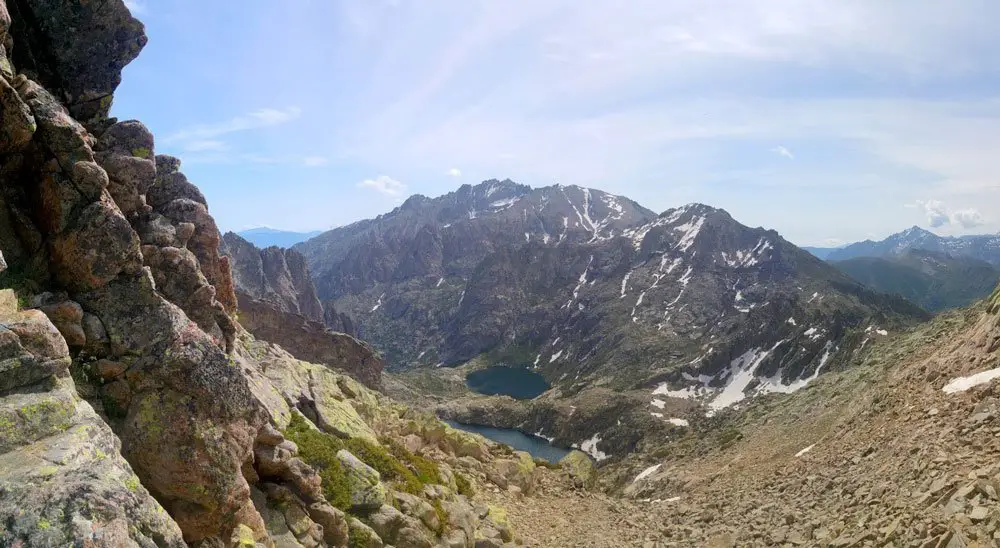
[
  {"x": 464, "y": 485},
  {"x": 424, "y": 469},
  {"x": 319, "y": 450}
]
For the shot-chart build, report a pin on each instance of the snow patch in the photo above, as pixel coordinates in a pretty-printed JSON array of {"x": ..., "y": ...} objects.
[
  {"x": 961, "y": 384},
  {"x": 501, "y": 205},
  {"x": 647, "y": 472},
  {"x": 690, "y": 231},
  {"x": 440, "y": 281},
  {"x": 556, "y": 356},
  {"x": 804, "y": 451},
  {"x": 741, "y": 374},
  {"x": 773, "y": 384},
  {"x": 625, "y": 283},
  {"x": 791, "y": 321},
  {"x": 678, "y": 422},
  {"x": 658, "y": 403},
  {"x": 590, "y": 447},
  {"x": 546, "y": 438},
  {"x": 378, "y": 304}
]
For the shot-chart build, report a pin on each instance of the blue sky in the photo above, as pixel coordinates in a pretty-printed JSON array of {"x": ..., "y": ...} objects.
[{"x": 828, "y": 120}]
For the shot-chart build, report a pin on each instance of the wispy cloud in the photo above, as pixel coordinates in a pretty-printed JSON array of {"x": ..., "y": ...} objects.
[
  {"x": 258, "y": 119},
  {"x": 455, "y": 172},
  {"x": 315, "y": 161},
  {"x": 901, "y": 99},
  {"x": 385, "y": 185},
  {"x": 782, "y": 151}
]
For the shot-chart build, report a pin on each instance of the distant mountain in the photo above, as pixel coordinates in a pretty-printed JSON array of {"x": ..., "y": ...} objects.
[
  {"x": 983, "y": 247},
  {"x": 592, "y": 289},
  {"x": 936, "y": 281},
  {"x": 821, "y": 252},
  {"x": 267, "y": 237}
]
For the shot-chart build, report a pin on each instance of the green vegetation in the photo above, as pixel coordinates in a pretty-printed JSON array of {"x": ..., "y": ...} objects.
[
  {"x": 395, "y": 464},
  {"x": 319, "y": 450},
  {"x": 935, "y": 281},
  {"x": 360, "y": 538},
  {"x": 18, "y": 278},
  {"x": 464, "y": 485}
]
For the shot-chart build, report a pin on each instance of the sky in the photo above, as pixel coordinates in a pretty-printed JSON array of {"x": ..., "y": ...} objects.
[{"x": 830, "y": 121}]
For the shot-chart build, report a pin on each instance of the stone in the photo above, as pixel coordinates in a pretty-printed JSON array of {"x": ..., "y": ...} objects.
[
  {"x": 64, "y": 479},
  {"x": 416, "y": 507},
  {"x": 108, "y": 369},
  {"x": 398, "y": 529},
  {"x": 364, "y": 483},
  {"x": 31, "y": 349},
  {"x": 97, "y": 250},
  {"x": 334, "y": 522},
  {"x": 579, "y": 467},
  {"x": 83, "y": 64},
  {"x": 361, "y": 535},
  {"x": 18, "y": 124},
  {"x": 67, "y": 316},
  {"x": 97, "y": 338}
]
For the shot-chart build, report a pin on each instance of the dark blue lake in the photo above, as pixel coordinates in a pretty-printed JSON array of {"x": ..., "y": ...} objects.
[
  {"x": 516, "y": 382},
  {"x": 533, "y": 445}
]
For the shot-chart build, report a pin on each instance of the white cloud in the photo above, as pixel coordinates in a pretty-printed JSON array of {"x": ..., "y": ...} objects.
[
  {"x": 455, "y": 172},
  {"x": 384, "y": 184},
  {"x": 782, "y": 151},
  {"x": 258, "y": 119},
  {"x": 937, "y": 214},
  {"x": 968, "y": 218},
  {"x": 315, "y": 161}
]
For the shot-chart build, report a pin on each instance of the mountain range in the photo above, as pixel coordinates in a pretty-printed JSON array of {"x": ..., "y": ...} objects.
[
  {"x": 934, "y": 280},
  {"x": 266, "y": 237},
  {"x": 592, "y": 289},
  {"x": 984, "y": 247}
]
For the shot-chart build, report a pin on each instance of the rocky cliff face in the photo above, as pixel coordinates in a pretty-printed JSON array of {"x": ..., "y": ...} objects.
[
  {"x": 592, "y": 290},
  {"x": 134, "y": 409},
  {"x": 273, "y": 275},
  {"x": 278, "y": 303}
]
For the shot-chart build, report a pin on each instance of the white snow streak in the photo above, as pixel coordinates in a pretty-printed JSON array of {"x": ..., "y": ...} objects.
[
  {"x": 379, "y": 303},
  {"x": 804, "y": 451},
  {"x": 961, "y": 384},
  {"x": 647, "y": 472}
]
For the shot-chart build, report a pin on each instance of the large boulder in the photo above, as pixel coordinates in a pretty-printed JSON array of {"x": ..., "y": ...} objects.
[
  {"x": 77, "y": 49},
  {"x": 398, "y": 529},
  {"x": 31, "y": 348},
  {"x": 580, "y": 468},
  {"x": 192, "y": 417},
  {"x": 364, "y": 483},
  {"x": 64, "y": 480}
]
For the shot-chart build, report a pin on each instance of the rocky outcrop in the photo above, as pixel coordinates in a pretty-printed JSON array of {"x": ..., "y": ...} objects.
[
  {"x": 74, "y": 198},
  {"x": 273, "y": 275},
  {"x": 277, "y": 303},
  {"x": 64, "y": 480}
]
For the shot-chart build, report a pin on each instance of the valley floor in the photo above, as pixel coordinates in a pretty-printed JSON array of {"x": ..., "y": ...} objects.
[{"x": 878, "y": 455}]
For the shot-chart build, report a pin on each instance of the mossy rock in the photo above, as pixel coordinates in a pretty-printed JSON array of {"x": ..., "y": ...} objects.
[
  {"x": 580, "y": 468},
  {"x": 361, "y": 536}
]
